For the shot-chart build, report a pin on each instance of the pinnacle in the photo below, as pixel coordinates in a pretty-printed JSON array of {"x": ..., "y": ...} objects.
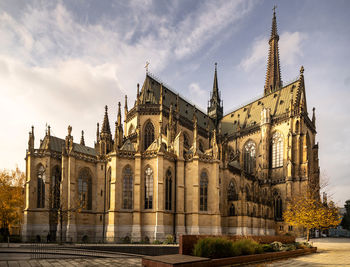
[{"x": 105, "y": 126}]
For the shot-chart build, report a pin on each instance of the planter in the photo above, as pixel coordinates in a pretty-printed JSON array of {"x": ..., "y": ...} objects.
[{"x": 179, "y": 260}]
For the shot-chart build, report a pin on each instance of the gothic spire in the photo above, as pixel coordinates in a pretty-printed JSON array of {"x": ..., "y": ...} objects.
[
  {"x": 215, "y": 85},
  {"x": 215, "y": 109},
  {"x": 105, "y": 126},
  {"x": 119, "y": 117},
  {"x": 273, "y": 73},
  {"x": 82, "y": 141}
]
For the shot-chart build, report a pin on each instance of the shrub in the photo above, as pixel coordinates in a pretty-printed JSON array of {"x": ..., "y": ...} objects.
[
  {"x": 169, "y": 239},
  {"x": 126, "y": 240},
  {"x": 303, "y": 245},
  {"x": 276, "y": 246},
  {"x": 248, "y": 246},
  {"x": 220, "y": 248},
  {"x": 156, "y": 242},
  {"x": 214, "y": 248},
  {"x": 267, "y": 248}
]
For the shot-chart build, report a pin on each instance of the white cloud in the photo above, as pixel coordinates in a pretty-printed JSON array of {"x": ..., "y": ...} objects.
[
  {"x": 290, "y": 47},
  {"x": 57, "y": 69}
]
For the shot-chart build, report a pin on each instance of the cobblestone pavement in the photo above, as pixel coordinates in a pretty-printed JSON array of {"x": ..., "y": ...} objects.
[{"x": 331, "y": 252}]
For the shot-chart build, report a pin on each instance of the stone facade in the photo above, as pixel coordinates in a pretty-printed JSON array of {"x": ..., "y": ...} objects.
[{"x": 172, "y": 169}]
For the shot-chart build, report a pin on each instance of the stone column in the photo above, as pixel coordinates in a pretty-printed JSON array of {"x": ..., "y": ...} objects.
[{"x": 136, "y": 219}]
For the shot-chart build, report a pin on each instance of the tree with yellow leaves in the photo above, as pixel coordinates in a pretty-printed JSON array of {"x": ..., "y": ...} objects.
[
  {"x": 11, "y": 199},
  {"x": 309, "y": 212}
]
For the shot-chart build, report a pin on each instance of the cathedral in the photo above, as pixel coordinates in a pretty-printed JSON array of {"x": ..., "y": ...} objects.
[{"x": 171, "y": 169}]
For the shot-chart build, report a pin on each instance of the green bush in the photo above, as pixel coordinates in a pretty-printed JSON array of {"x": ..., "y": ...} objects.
[
  {"x": 169, "y": 239},
  {"x": 303, "y": 245},
  {"x": 267, "y": 248},
  {"x": 156, "y": 242},
  {"x": 248, "y": 246},
  {"x": 212, "y": 247},
  {"x": 221, "y": 248}
]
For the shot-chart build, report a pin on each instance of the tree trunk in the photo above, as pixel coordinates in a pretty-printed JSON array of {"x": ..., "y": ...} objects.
[{"x": 307, "y": 234}]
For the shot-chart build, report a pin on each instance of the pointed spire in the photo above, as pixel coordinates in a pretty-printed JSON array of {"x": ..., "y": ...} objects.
[
  {"x": 313, "y": 116},
  {"x": 82, "y": 141},
  {"x": 48, "y": 130},
  {"x": 119, "y": 118},
  {"x": 215, "y": 85},
  {"x": 126, "y": 106},
  {"x": 105, "y": 126},
  {"x": 273, "y": 73},
  {"x": 215, "y": 109},
  {"x": 138, "y": 94},
  {"x": 98, "y": 132}
]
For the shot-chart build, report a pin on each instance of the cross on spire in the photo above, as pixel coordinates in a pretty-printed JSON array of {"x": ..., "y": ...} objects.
[{"x": 274, "y": 8}]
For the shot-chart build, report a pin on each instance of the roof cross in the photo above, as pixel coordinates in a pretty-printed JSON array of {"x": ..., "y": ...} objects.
[{"x": 274, "y": 8}]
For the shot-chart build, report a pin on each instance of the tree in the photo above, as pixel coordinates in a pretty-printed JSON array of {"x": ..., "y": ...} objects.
[
  {"x": 345, "y": 223},
  {"x": 11, "y": 198},
  {"x": 309, "y": 212}
]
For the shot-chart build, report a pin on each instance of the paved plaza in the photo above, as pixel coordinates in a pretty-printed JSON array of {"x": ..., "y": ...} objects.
[{"x": 331, "y": 252}]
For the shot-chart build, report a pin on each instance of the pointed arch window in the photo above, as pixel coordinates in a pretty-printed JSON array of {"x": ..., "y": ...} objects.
[
  {"x": 249, "y": 157},
  {"x": 148, "y": 188},
  {"x": 85, "y": 189},
  {"x": 203, "y": 192},
  {"x": 277, "y": 150},
  {"x": 41, "y": 186},
  {"x": 231, "y": 192},
  {"x": 56, "y": 182},
  {"x": 148, "y": 135},
  {"x": 127, "y": 188},
  {"x": 278, "y": 207},
  {"x": 168, "y": 190},
  {"x": 232, "y": 211},
  {"x": 248, "y": 196}
]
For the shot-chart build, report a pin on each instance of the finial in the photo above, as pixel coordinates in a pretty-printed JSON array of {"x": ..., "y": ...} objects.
[
  {"x": 302, "y": 70},
  {"x": 216, "y": 65},
  {"x": 119, "y": 115},
  {"x": 69, "y": 130},
  {"x": 98, "y": 132},
  {"x": 32, "y": 130},
  {"x": 48, "y": 130},
  {"x": 313, "y": 115},
  {"x": 146, "y": 67},
  {"x": 106, "y": 108},
  {"x": 274, "y": 9},
  {"x": 82, "y": 141}
]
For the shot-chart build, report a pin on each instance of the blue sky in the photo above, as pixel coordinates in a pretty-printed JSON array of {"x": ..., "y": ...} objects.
[{"x": 62, "y": 61}]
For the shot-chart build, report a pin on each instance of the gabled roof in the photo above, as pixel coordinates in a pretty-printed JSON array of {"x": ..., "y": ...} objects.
[
  {"x": 56, "y": 145},
  {"x": 151, "y": 91},
  {"x": 278, "y": 102}
]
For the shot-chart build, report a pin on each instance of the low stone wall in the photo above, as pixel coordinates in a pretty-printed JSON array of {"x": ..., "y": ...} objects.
[{"x": 187, "y": 242}]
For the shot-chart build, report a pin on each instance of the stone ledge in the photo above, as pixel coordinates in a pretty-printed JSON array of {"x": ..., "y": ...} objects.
[{"x": 179, "y": 260}]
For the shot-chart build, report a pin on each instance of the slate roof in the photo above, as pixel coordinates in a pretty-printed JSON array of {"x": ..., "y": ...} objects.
[
  {"x": 56, "y": 144},
  {"x": 249, "y": 115},
  {"x": 151, "y": 92}
]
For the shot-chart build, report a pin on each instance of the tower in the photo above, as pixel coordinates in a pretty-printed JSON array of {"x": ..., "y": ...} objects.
[
  {"x": 273, "y": 72},
  {"x": 215, "y": 109}
]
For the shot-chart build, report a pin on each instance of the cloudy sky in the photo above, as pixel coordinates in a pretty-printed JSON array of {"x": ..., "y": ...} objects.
[{"x": 61, "y": 62}]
